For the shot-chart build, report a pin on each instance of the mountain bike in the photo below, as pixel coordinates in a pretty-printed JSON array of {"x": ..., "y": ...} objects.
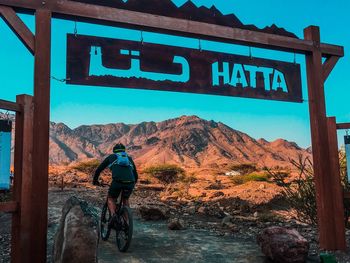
[{"x": 122, "y": 223}]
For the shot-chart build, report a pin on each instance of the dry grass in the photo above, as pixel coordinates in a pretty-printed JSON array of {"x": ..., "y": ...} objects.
[
  {"x": 87, "y": 167},
  {"x": 255, "y": 177}
]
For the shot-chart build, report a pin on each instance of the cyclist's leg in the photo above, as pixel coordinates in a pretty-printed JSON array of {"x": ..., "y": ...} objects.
[
  {"x": 127, "y": 191},
  {"x": 111, "y": 205},
  {"x": 113, "y": 193}
]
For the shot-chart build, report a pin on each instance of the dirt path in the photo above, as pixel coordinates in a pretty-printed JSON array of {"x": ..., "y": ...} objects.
[{"x": 153, "y": 242}]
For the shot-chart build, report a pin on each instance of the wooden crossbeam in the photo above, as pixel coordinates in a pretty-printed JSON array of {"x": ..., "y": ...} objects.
[
  {"x": 9, "y": 207},
  {"x": 329, "y": 65},
  {"x": 343, "y": 126},
  {"x": 107, "y": 15},
  {"x": 18, "y": 27},
  {"x": 9, "y": 105}
]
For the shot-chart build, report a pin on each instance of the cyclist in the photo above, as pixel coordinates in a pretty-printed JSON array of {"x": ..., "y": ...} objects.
[{"x": 124, "y": 176}]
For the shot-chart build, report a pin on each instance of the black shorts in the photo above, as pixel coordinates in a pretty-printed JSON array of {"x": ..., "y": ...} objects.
[{"x": 116, "y": 187}]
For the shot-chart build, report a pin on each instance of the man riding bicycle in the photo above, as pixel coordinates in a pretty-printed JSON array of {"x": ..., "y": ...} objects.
[{"x": 124, "y": 176}]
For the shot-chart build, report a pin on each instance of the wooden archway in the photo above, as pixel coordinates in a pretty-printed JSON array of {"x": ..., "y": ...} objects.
[{"x": 31, "y": 240}]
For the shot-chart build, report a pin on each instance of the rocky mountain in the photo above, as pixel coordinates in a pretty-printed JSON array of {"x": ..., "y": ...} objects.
[{"x": 188, "y": 140}]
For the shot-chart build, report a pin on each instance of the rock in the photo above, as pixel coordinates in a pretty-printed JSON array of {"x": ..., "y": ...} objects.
[
  {"x": 201, "y": 210},
  {"x": 226, "y": 220},
  {"x": 176, "y": 224},
  {"x": 191, "y": 210},
  {"x": 283, "y": 245},
  {"x": 203, "y": 194},
  {"x": 232, "y": 227},
  {"x": 262, "y": 186},
  {"x": 256, "y": 214},
  {"x": 153, "y": 213},
  {"x": 76, "y": 239},
  {"x": 232, "y": 173}
]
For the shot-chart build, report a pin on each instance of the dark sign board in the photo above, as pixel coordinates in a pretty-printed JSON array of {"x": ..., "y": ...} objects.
[{"x": 100, "y": 61}]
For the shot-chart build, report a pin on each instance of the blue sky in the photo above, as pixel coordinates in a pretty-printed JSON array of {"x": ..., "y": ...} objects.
[{"x": 77, "y": 105}]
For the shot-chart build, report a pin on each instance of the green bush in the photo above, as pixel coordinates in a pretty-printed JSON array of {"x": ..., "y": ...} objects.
[
  {"x": 244, "y": 168},
  {"x": 242, "y": 179},
  {"x": 166, "y": 173},
  {"x": 87, "y": 167}
]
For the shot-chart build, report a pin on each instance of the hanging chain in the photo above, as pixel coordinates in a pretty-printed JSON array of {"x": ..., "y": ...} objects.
[
  {"x": 347, "y": 132},
  {"x": 75, "y": 28},
  {"x": 199, "y": 45},
  {"x": 295, "y": 58},
  {"x": 59, "y": 80},
  {"x": 250, "y": 53},
  {"x": 141, "y": 38}
]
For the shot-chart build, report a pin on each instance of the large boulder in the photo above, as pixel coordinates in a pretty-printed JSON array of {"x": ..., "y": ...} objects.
[
  {"x": 155, "y": 213},
  {"x": 283, "y": 245},
  {"x": 77, "y": 237}
]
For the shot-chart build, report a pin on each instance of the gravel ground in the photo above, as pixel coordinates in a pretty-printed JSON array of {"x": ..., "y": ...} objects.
[{"x": 240, "y": 227}]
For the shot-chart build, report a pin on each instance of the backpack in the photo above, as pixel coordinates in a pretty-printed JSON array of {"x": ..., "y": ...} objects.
[
  {"x": 122, "y": 160},
  {"x": 122, "y": 168}
]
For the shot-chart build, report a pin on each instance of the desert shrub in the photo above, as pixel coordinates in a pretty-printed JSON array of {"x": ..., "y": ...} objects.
[
  {"x": 5, "y": 196},
  {"x": 279, "y": 177},
  {"x": 166, "y": 173},
  {"x": 256, "y": 177},
  {"x": 244, "y": 168},
  {"x": 345, "y": 183},
  {"x": 301, "y": 192},
  {"x": 87, "y": 167},
  {"x": 268, "y": 216},
  {"x": 187, "y": 179}
]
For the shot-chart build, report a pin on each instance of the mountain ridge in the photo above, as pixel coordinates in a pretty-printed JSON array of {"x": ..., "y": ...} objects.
[{"x": 188, "y": 141}]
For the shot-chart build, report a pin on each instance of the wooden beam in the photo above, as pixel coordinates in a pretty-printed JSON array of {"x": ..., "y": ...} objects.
[
  {"x": 335, "y": 187},
  {"x": 343, "y": 126},
  {"x": 17, "y": 184},
  {"x": 27, "y": 211},
  {"x": 22, "y": 221},
  {"x": 9, "y": 105},
  {"x": 9, "y": 207},
  {"x": 329, "y": 65},
  {"x": 40, "y": 158},
  {"x": 107, "y": 15},
  {"x": 18, "y": 27},
  {"x": 320, "y": 143}
]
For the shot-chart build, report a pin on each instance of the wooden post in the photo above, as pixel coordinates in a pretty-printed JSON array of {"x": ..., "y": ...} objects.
[
  {"x": 21, "y": 220},
  {"x": 325, "y": 190},
  {"x": 336, "y": 187},
  {"x": 41, "y": 135}
]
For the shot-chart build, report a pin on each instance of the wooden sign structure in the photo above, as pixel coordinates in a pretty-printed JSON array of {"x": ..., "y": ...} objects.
[
  {"x": 29, "y": 240},
  {"x": 120, "y": 63}
]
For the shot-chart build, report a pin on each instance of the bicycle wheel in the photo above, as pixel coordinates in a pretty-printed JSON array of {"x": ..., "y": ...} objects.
[
  {"x": 124, "y": 232},
  {"x": 105, "y": 230}
]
